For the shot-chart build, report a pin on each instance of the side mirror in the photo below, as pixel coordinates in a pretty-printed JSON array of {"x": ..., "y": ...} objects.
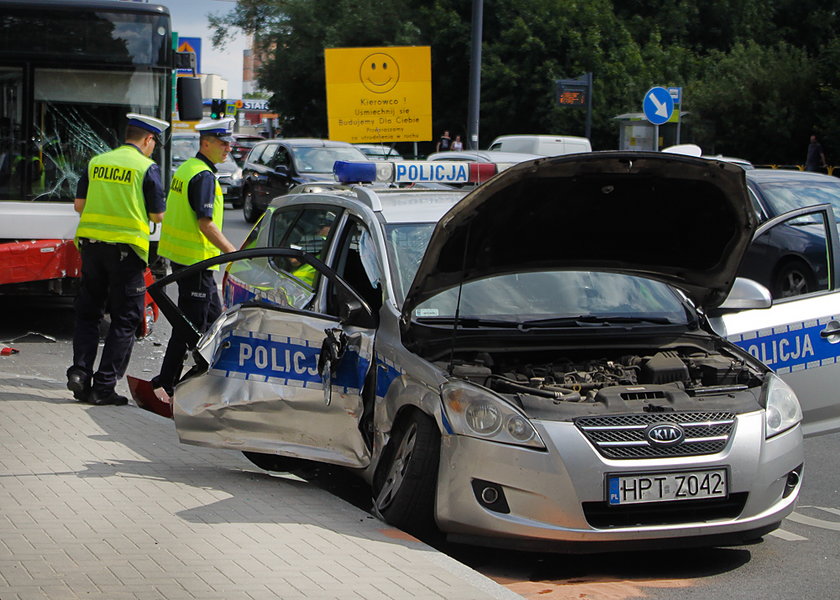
[
  {"x": 352, "y": 312},
  {"x": 349, "y": 310},
  {"x": 282, "y": 170},
  {"x": 746, "y": 294}
]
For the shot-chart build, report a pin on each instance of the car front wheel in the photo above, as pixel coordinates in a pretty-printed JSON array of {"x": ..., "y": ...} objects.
[
  {"x": 405, "y": 482},
  {"x": 249, "y": 209}
]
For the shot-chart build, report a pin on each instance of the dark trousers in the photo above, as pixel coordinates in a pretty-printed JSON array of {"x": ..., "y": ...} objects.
[
  {"x": 198, "y": 299},
  {"x": 112, "y": 278}
]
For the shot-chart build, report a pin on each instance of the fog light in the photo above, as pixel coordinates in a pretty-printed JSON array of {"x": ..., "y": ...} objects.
[
  {"x": 793, "y": 479},
  {"x": 490, "y": 495}
]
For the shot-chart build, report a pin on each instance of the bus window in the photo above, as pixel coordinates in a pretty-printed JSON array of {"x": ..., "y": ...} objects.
[
  {"x": 66, "y": 91},
  {"x": 75, "y": 114},
  {"x": 15, "y": 158}
]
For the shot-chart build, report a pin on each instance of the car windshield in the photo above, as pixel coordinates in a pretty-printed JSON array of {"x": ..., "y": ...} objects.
[
  {"x": 783, "y": 196},
  {"x": 544, "y": 298},
  {"x": 228, "y": 166},
  {"x": 321, "y": 159},
  {"x": 184, "y": 148},
  {"x": 379, "y": 151}
]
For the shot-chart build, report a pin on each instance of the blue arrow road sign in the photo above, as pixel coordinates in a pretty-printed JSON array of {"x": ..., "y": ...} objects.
[{"x": 658, "y": 105}]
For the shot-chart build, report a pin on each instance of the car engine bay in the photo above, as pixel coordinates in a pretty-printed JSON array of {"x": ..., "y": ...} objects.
[{"x": 660, "y": 381}]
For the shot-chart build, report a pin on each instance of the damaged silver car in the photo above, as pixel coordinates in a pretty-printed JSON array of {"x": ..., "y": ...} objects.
[{"x": 529, "y": 364}]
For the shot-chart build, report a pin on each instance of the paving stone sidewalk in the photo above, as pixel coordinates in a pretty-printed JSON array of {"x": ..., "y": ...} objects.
[{"x": 105, "y": 503}]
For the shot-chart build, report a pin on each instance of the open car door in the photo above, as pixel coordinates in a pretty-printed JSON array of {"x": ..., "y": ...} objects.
[
  {"x": 799, "y": 337},
  {"x": 274, "y": 379}
]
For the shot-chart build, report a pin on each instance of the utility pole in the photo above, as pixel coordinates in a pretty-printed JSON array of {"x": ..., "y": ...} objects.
[{"x": 475, "y": 74}]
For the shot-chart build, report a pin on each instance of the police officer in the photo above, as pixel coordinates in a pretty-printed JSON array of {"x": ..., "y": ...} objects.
[
  {"x": 117, "y": 196},
  {"x": 192, "y": 232}
]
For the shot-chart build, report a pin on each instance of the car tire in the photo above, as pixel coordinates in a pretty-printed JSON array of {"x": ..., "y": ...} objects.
[
  {"x": 275, "y": 462},
  {"x": 249, "y": 209},
  {"x": 793, "y": 278},
  {"x": 406, "y": 479}
]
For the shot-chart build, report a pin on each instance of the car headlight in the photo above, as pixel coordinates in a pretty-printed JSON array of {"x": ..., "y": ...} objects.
[
  {"x": 476, "y": 412},
  {"x": 782, "y": 410},
  {"x": 236, "y": 177}
]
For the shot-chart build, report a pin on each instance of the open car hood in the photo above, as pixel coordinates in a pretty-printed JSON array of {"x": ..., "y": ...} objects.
[{"x": 682, "y": 220}]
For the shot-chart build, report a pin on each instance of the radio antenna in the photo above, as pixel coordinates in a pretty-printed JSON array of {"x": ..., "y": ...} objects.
[{"x": 458, "y": 303}]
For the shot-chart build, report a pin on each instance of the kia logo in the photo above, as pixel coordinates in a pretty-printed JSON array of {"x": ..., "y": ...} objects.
[{"x": 665, "y": 434}]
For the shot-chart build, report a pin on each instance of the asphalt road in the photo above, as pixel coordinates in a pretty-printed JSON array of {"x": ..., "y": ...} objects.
[{"x": 801, "y": 560}]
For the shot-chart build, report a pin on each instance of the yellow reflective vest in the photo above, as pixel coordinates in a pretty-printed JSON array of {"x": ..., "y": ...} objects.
[
  {"x": 115, "y": 209},
  {"x": 181, "y": 240}
]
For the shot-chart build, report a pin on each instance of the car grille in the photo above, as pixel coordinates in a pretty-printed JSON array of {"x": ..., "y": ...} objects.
[
  {"x": 623, "y": 436},
  {"x": 603, "y": 516}
]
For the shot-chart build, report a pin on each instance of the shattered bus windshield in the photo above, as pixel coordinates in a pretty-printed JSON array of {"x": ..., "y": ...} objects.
[{"x": 68, "y": 75}]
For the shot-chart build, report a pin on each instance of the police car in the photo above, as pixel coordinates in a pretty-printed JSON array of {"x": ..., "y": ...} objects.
[{"x": 530, "y": 364}]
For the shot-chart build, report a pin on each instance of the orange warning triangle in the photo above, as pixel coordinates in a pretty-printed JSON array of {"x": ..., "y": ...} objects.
[{"x": 185, "y": 47}]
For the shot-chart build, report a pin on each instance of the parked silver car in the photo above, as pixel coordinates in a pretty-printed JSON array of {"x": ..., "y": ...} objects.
[{"x": 526, "y": 365}]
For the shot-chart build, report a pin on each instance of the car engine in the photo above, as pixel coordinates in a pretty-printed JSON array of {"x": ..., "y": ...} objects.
[{"x": 661, "y": 381}]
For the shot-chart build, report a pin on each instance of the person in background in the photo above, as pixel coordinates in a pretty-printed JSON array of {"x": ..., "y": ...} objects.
[
  {"x": 444, "y": 143},
  {"x": 815, "y": 160},
  {"x": 192, "y": 232},
  {"x": 117, "y": 196},
  {"x": 457, "y": 144}
]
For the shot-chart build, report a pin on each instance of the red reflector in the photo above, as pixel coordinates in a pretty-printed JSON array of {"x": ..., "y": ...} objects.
[{"x": 480, "y": 172}]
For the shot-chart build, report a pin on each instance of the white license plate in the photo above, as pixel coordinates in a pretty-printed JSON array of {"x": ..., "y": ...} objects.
[{"x": 664, "y": 487}]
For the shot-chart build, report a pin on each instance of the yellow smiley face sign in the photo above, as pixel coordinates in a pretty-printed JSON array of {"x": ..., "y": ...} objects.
[
  {"x": 379, "y": 94},
  {"x": 379, "y": 72}
]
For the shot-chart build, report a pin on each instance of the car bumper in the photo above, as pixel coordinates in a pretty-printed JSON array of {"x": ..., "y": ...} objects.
[
  {"x": 233, "y": 194},
  {"x": 556, "y": 499}
]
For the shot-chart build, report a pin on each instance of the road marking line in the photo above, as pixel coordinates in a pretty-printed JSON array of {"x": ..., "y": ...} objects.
[
  {"x": 821, "y": 523},
  {"x": 834, "y": 511},
  {"x": 787, "y": 536}
]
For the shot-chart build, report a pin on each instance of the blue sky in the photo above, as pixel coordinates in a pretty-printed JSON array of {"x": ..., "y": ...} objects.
[{"x": 189, "y": 19}]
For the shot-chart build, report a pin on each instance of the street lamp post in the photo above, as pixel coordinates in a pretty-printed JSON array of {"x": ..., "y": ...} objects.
[{"x": 475, "y": 74}]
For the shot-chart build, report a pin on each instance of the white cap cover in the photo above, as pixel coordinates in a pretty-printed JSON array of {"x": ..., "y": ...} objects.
[
  {"x": 150, "y": 124},
  {"x": 220, "y": 128}
]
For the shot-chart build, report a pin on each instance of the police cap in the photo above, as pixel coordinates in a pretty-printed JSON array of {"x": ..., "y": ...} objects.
[
  {"x": 150, "y": 124},
  {"x": 219, "y": 128}
]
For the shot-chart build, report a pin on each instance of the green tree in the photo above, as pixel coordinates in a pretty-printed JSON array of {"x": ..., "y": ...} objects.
[
  {"x": 754, "y": 102},
  {"x": 758, "y": 75}
]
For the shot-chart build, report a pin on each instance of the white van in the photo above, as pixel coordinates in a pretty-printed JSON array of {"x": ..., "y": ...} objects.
[{"x": 544, "y": 145}]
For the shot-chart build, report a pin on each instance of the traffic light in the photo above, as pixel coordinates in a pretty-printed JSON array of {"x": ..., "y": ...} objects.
[{"x": 217, "y": 108}]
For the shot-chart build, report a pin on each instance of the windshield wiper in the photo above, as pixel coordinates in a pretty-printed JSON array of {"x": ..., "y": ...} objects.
[
  {"x": 468, "y": 322},
  {"x": 588, "y": 320}
]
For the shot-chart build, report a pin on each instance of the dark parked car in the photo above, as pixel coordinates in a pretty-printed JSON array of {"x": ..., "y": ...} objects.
[
  {"x": 790, "y": 259},
  {"x": 229, "y": 174},
  {"x": 275, "y": 166}
]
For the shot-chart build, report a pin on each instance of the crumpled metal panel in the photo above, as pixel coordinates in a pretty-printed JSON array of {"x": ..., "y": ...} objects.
[{"x": 263, "y": 391}]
